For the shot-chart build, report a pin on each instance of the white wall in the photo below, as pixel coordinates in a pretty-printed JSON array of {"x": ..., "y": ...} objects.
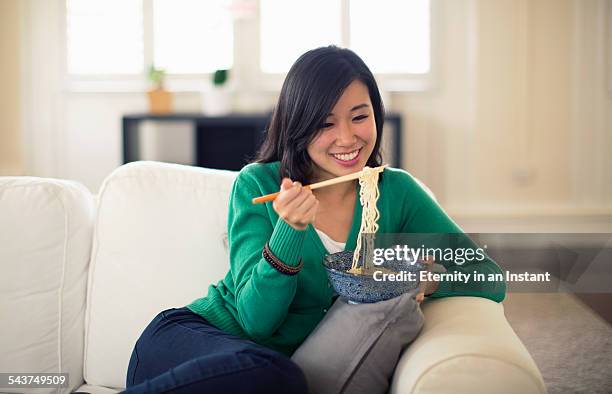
[
  {"x": 11, "y": 153},
  {"x": 516, "y": 135}
]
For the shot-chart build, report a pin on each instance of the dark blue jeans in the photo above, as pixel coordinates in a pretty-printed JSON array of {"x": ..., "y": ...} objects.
[{"x": 180, "y": 352}]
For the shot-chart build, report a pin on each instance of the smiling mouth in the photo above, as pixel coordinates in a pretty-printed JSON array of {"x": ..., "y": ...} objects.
[{"x": 346, "y": 156}]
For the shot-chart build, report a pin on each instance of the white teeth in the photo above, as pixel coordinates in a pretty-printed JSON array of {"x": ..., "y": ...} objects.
[{"x": 347, "y": 156}]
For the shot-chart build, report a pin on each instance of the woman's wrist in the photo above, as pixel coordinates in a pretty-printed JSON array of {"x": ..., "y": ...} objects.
[
  {"x": 296, "y": 226},
  {"x": 278, "y": 265},
  {"x": 286, "y": 242}
]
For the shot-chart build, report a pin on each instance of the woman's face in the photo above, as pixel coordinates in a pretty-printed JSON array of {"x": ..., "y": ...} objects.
[{"x": 347, "y": 137}]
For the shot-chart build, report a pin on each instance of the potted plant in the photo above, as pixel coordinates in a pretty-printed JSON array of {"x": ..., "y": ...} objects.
[
  {"x": 160, "y": 100},
  {"x": 218, "y": 100}
]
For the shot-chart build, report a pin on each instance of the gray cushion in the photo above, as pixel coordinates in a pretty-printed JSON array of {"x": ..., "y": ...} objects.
[{"x": 355, "y": 348}]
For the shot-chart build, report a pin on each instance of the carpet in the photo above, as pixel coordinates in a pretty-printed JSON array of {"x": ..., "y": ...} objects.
[{"x": 570, "y": 343}]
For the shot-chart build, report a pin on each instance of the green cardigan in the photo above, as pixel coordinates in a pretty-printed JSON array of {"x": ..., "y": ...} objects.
[{"x": 257, "y": 302}]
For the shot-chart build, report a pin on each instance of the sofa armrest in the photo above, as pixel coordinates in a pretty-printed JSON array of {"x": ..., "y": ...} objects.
[
  {"x": 46, "y": 228},
  {"x": 466, "y": 346}
]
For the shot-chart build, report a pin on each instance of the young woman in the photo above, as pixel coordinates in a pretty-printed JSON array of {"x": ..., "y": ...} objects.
[{"x": 328, "y": 122}]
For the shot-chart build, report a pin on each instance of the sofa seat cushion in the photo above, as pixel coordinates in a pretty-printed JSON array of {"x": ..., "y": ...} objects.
[{"x": 91, "y": 389}]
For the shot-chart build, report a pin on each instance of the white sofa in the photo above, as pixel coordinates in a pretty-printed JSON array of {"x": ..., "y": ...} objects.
[{"x": 81, "y": 277}]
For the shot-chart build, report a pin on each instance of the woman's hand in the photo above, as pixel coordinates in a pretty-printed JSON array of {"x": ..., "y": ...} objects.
[
  {"x": 296, "y": 205},
  {"x": 427, "y": 287}
]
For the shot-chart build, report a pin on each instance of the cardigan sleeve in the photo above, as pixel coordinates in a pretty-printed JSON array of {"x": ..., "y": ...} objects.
[
  {"x": 423, "y": 215},
  {"x": 262, "y": 293}
]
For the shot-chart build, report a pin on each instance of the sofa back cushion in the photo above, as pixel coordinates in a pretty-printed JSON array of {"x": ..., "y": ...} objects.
[
  {"x": 159, "y": 242},
  {"x": 46, "y": 228}
]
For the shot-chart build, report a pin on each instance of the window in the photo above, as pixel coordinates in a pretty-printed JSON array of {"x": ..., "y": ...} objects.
[
  {"x": 192, "y": 36},
  {"x": 290, "y": 28},
  {"x": 120, "y": 37},
  {"x": 104, "y": 37},
  {"x": 392, "y": 36},
  {"x": 111, "y": 43}
]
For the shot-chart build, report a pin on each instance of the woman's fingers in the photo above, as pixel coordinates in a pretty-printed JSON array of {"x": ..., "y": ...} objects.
[
  {"x": 287, "y": 194},
  {"x": 312, "y": 212},
  {"x": 300, "y": 207},
  {"x": 286, "y": 184},
  {"x": 290, "y": 200},
  {"x": 288, "y": 191},
  {"x": 295, "y": 204},
  {"x": 427, "y": 261},
  {"x": 303, "y": 197}
]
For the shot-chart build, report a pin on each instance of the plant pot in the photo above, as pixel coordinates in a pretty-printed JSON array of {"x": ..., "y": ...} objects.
[
  {"x": 160, "y": 101},
  {"x": 217, "y": 102}
]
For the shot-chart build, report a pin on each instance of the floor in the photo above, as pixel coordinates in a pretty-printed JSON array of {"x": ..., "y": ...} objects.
[{"x": 569, "y": 341}]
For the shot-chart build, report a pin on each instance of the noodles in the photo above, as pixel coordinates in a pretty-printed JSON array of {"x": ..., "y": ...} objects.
[{"x": 368, "y": 196}]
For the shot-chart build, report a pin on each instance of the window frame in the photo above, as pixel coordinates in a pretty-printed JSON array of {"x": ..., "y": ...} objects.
[{"x": 246, "y": 52}]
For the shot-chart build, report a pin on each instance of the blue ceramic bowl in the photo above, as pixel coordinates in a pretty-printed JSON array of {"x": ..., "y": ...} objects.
[{"x": 364, "y": 288}]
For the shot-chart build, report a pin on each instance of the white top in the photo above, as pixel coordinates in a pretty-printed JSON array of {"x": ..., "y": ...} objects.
[{"x": 331, "y": 245}]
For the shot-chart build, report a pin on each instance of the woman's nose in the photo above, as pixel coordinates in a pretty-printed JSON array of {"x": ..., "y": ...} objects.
[{"x": 346, "y": 136}]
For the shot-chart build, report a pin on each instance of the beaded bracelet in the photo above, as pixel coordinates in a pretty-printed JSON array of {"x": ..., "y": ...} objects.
[{"x": 279, "y": 265}]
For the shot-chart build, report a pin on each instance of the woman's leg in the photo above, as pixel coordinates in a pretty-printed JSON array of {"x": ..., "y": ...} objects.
[{"x": 180, "y": 352}]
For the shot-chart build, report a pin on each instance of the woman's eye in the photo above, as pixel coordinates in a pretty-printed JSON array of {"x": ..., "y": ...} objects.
[
  {"x": 326, "y": 125},
  {"x": 360, "y": 117}
]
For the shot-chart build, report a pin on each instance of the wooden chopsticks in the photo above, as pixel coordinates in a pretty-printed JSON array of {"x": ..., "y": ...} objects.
[{"x": 318, "y": 185}]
